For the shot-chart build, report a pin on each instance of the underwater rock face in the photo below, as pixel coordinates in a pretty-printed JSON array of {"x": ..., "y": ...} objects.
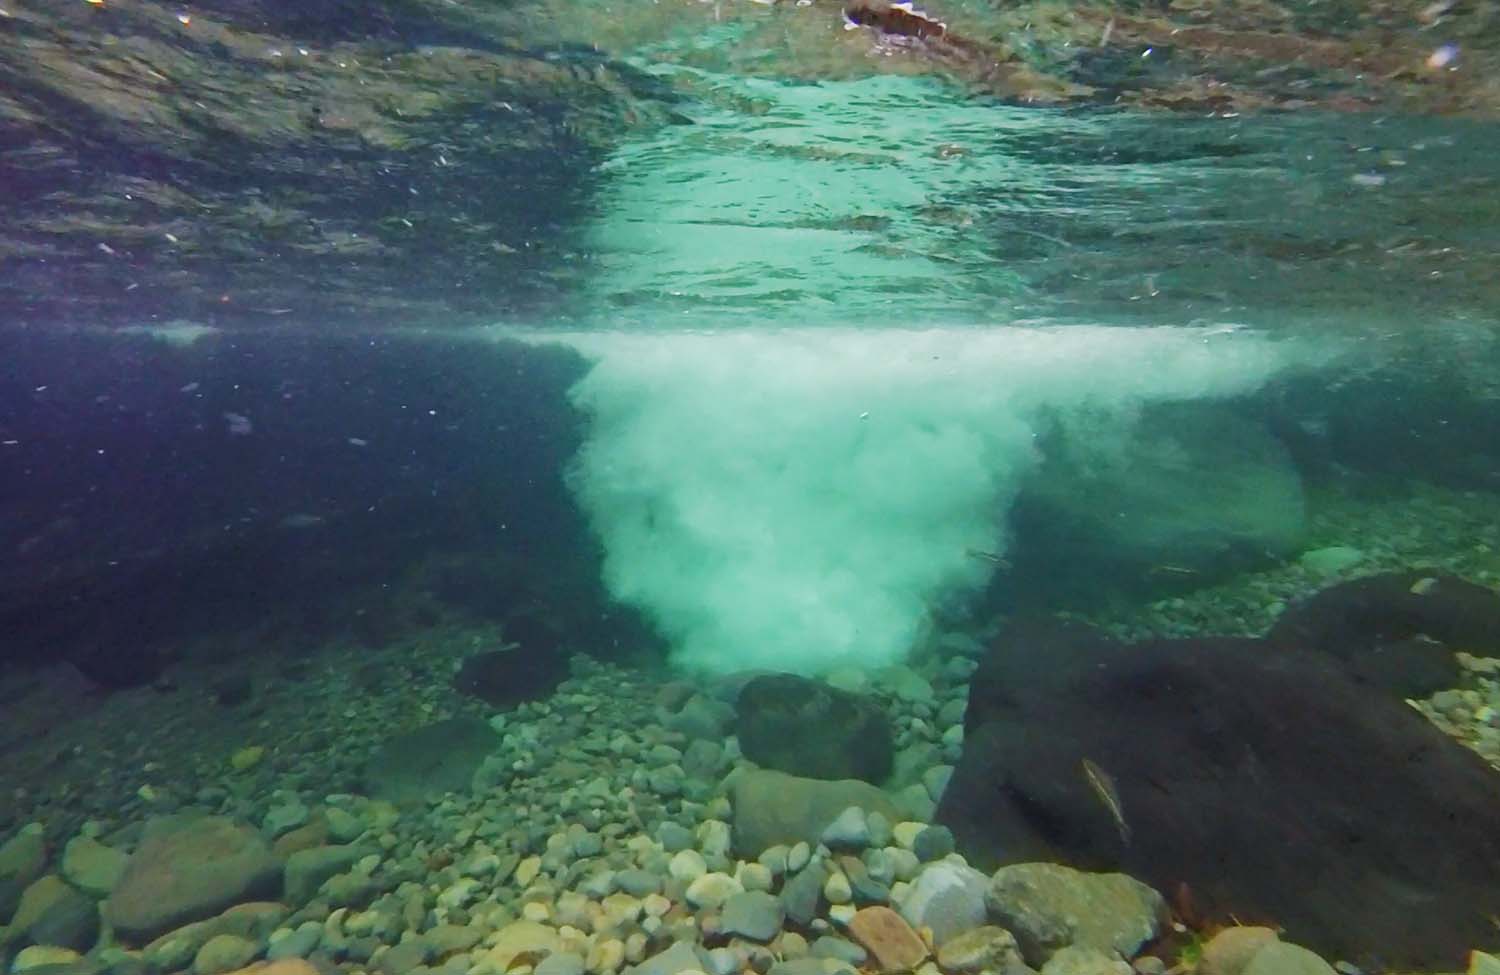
[
  {"x": 1242, "y": 781},
  {"x": 416, "y": 765},
  {"x": 808, "y": 728},
  {"x": 1189, "y": 492},
  {"x": 1397, "y": 630}
]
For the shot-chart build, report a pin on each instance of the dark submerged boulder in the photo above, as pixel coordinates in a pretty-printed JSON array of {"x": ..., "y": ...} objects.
[
  {"x": 505, "y": 678},
  {"x": 808, "y": 728},
  {"x": 1397, "y": 630},
  {"x": 1260, "y": 784}
]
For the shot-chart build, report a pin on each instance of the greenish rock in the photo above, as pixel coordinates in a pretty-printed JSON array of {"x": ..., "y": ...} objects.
[
  {"x": 1331, "y": 560},
  {"x": 24, "y": 854},
  {"x": 307, "y": 870},
  {"x": 186, "y": 869},
  {"x": 414, "y": 766},
  {"x": 1079, "y": 960},
  {"x": 1048, "y": 906},
  {"x": 295, "y": 943},
  {"x": 343, "y": 825},
  {"x": 37, "y": 958},
  {"x": 71, "y": 920},
  {"x": 752, "y": 914},
  {"x": 773, "y": 808},
  {"x": 224, "y": 953},
  {"x": 93, "y": 867},
  {"x": 809, "y": 728},
  {"x": 36, "y": 900},
  {"x": 450, "y": 939},
  {"x": 1281, "y": 958},
  {"x": 801, "y": 895},
  {"x": 284, "y": 818},
  {"x": 561, "y": 963},
  {"x": 172, "y": 953},
  {"x": 681, "y": 957},
  {"x": 404, "y": 957}
]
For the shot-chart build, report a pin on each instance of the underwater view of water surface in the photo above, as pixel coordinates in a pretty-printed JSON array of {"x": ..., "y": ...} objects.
[{"x": 493, "y": 487}]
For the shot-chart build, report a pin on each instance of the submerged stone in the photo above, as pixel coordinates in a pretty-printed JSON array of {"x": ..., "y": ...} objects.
[
  {"x": 808, "y": 728},
  {"x": 417, "y": 765},
  {"x": 187, "y": 869},
  {"x": 1248, "y": 769}
]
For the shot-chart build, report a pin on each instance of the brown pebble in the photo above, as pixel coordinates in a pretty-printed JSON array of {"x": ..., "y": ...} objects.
[{"x": 891, "y": 942}]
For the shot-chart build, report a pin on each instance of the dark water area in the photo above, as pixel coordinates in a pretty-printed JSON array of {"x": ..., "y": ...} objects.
[{"x": 152, "y": 491}]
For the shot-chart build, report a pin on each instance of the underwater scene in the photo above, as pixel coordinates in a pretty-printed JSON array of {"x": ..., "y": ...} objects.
[{"x": 749, "y": 487}]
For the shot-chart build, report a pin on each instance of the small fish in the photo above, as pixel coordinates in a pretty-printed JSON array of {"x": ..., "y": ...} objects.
[
  {"x": 995, "y": 557},
  {"x": 1104, "y": 787}
]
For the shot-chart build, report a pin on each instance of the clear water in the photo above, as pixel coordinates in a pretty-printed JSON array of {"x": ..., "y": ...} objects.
[{"x": 835, "y": 368}]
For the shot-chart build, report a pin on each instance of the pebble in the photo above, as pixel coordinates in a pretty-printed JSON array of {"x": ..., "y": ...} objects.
[
  {"x": 674, "y": 837},
  {"x": 687, "y": 865},
  {"x": 712, "y": 890},
  {"x": 836, "y": 888},
  {"x": 296, "y": 942},
  {"x": 848, "y": 831},
  {"x": 224, "y": 953},
  {"x": 892, "y": 944},
  {"x": 752, "y": 914}
]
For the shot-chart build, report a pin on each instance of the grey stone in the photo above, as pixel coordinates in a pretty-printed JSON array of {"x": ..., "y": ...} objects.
[
  {"x": 637, "y": 883},
  {"x": 933, "y": 843},
  {"x": 674, "y": 837},
  {"x": 723, "y": 961},
  {"x": 91, "y": 866},
  {"x": 1079, "y": 960},
  {"x": 307, "y": 870},
  {"x": 703, "y": 759},
  {"x": 1048, "y": 906},
  {"x": 947, "y": 897},
  {"x": 681, "y": 957},
  {"x": 935, "y": 780},
  {"x": 801, "y": 895},
  {"x": 753, "y": 914},
  {"x": 773, "y": 807},
  {"x": 840, "y": 949},
  {"x": 849, "y": 831},
  {"x": 185, "y": 869}
]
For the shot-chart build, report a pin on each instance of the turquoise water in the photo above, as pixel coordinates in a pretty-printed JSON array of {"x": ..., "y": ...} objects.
[{"x": 798, "y": 516}]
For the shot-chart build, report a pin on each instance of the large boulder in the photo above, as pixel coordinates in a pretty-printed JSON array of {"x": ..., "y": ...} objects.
[
  {"x": 186, "y": 869},
  {"x": 1249, "y": 782},
  {"x": 811, "y": 729},
  {"x": 505, "y": 678},
  {"x": 414, "y": 766},
  {"x": 1183, "y": 491},
  {"x": 772, "y": 807},
  {"x": 1397, "y": 630}
]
